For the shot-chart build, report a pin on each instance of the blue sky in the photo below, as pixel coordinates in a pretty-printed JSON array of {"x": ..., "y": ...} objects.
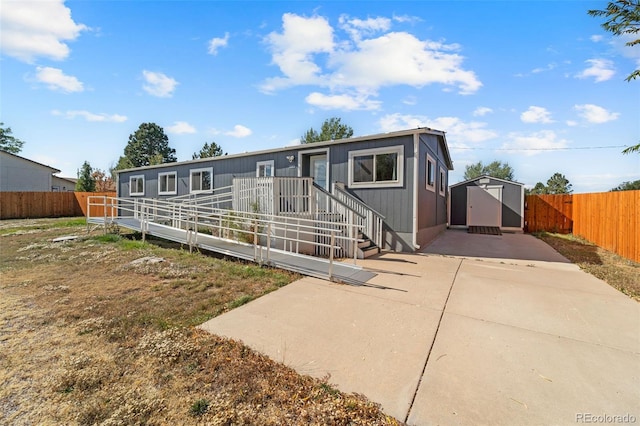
[{"x": 539, "y": 84}]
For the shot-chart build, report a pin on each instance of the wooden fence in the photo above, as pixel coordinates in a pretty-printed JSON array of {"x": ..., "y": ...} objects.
[
  {"x": 31, "y": 205},
  {"x": 610, "y": 220}
]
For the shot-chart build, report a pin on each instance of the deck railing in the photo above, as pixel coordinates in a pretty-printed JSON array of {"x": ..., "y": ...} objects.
[{"x": 373, "y": 222}]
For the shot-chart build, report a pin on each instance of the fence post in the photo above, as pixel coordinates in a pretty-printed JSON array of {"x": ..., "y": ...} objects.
[
  {"x": 105, "y": 213},
  {"x": 333, "y": 243},
  {"x": 142, "y": 223},
  {"x": 354, "y": 237},
  {"x": 269, "y": 243}
]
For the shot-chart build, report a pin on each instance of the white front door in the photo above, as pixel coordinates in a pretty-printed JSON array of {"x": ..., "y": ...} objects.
[
  {"x": 484, "y": 206},
  {"x": 318, "y": 170}
]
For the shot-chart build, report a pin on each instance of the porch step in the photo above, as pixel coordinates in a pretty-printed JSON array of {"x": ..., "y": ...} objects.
[{"x": 366, "y": 248}]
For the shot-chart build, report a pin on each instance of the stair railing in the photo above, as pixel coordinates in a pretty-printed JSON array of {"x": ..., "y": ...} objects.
[{"x": 373, "y": 223}]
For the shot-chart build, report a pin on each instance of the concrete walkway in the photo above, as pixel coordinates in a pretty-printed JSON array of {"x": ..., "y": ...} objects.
[{"x": 477, "y": 330}]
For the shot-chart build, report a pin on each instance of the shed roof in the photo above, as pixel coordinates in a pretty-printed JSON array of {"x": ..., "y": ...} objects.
[
  {"x": 418, "y": 130},
  {"x": 486, "y": 177}
]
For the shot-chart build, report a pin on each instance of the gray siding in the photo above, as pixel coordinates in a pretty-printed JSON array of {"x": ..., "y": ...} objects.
[
  {"x": 512, "y": 212},
  {"x": 19, "y": 174}
]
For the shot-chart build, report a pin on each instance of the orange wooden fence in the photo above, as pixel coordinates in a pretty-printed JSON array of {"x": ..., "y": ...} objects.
[
  {"x": 31, "y": 205},
  {"x": 553, "y": 213},
  {"x": 610, "y": 220}
]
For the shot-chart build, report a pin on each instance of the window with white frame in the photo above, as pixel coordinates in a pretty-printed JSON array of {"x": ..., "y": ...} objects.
[
  {"x": 167, "y": 183},
  {"x": 201, "y": 180},
  {"x": 431, "y": 173},
  {"x": 378, "y": 167},
  {"x": 136, "y": 185},
  {"x": 443, "y": 181},
  {"x": 265, "y": 168}
]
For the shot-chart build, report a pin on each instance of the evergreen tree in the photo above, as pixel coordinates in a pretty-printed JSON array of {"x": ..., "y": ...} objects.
[
  {"x": 86, "y": 182},
  {"x": 496, "y": 169},
  {"x": 147, "y": 146},
  {"x": 208, "y": 151},
  {"x": 558, "y": 184},
  {"x": 331, "y": 130},
  {"x": 628, "y": 186}
]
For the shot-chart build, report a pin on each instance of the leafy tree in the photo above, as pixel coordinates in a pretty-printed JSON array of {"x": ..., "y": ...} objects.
[
  {"x": 558, "y": 184},
  {"x": 634, "y": 148},
  {"x": 209, "y": 150},
  {"x": 86, "y": 182},
  {"x": 539, "y": 189},
  {"x": 332, "y": 129},
  {"x": 147, "y": 146},
  {"x": 628, "y": 186},
  {"x": 104, "y": 183},
  {"x": 8, "y": 142},
  {"x": 496, "y": 169},
  {"x": 622, "y": 17}
]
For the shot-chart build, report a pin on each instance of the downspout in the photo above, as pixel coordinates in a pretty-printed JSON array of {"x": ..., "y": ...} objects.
[{"x": 416, "y": 164}]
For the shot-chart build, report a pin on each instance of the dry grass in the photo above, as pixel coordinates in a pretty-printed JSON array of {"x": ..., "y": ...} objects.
[
  {"x": 620, "y": 273},
  {"x": 87, "y": 337}
]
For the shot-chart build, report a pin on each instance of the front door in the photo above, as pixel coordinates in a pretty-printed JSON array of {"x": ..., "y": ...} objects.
[
  {"x": 484, "y": 206},
  {"x": 318, "y": 170}
]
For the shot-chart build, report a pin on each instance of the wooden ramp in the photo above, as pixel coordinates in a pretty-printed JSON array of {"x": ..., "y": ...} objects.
[{"x": 305, "y": 265}]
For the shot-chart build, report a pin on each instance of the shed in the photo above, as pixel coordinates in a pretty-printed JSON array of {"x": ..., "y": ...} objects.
[{"x": 487, "y": 201}]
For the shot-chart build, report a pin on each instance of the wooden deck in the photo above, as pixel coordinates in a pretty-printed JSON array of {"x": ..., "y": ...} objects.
[{"x": 306, "y": 265}]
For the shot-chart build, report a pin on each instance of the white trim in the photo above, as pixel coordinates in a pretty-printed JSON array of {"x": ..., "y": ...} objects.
[
  {"x": 416, "y": 185},
  {"x": 136, "y": 194},
  {"x": 310, "y": 152},
  {"x": 396, "y": 149},
  {"x": 442, "y": 182},
  {"x": 522, "y": 208},
  {"x": 200, "y": 191},
  {"x": 431, "y": 187},
  {"x": 486, "y": 176},
  {"x": 271, "y": 163},
  {"x": 175, "y": 182}
]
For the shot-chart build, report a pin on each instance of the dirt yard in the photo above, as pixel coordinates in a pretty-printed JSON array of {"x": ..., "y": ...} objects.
[{"x": 100, "y": 330}]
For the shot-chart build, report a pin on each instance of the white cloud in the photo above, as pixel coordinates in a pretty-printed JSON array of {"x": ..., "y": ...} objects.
[
  {"x": 342, "y": 102},
  {"x": 596, "y": 38},
  {"x": 458, "y": 132},
  {"x": 294, "y": 48},
  {"x": 30, "y": 29},
  {"x": 536, "y": 114},
  {"x": 410, "y": 100},
  {"x": 239, "y": 131},
  {"x": 308, "y": 52},
  {"x": 216, "y": 43},
  {"x": 90, "y": 116},
  {"x": 534, "y": 143},
  {"x": 55, "y": 79},
  {"x": 600, "y": 69},
  {"x": 572, "y": 123},
  {"x": 158, "y": 84},
  {"x": 482, "y": 111},
  {"x": 549, "y": 67},
  {"x": 595, "y": 114},
  {"x": 181, "y": 128},
  {"x": 357, "y": 28}
]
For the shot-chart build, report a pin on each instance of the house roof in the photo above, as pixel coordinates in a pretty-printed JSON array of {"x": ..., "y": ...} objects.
[
  {"x": 53, "y": 170},
  {"x": 486, "y": 177},
  {"x": 418, "y": 130}
]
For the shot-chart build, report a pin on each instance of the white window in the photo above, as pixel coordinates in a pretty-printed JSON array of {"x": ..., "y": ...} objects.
[
  {"x": 201, "y": 180},
  {"x": 167, "y": 183},
  {"x": 378, "y": 167},
  {"x": 431, "y": 173},
  {"x": 265, "y": 169},
  {"x": 136, "y": 185},
  {"x": 443, "y": 181}
]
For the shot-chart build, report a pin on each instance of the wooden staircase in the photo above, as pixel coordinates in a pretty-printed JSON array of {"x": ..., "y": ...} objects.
[{"x": 366, "y": 247}]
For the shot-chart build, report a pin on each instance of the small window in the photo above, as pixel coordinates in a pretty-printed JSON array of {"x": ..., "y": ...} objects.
[
  {"x": 431, "y": 173},
  {"x": 443, "y": 181},
  {"x": 136, "y": 185},
  {"x": 378, "y": 167},
  {"x": 265, "y": 168},
  {"x": 167, "y": 183},
  {"x": 201, "y": 180}
]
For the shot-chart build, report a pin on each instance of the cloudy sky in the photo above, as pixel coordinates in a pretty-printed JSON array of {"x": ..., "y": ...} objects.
[{"x": 536, "y": 84}]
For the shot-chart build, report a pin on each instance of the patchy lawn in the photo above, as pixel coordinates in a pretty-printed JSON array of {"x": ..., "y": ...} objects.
[
  {"x": 620, "y": 273},
  {"x": 89, "y": 336}
]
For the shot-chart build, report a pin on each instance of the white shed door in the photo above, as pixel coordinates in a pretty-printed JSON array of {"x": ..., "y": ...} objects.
[{"x": 484, "y": 206}]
